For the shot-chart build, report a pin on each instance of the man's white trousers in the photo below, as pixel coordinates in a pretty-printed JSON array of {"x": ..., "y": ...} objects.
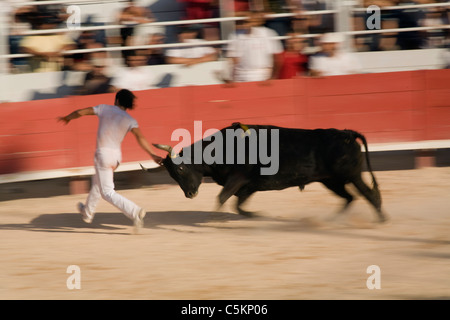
[{"x": 106, "y": 161}]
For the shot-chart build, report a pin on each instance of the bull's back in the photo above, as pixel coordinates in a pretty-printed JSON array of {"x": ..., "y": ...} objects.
[{"x": 306, "y": 156}]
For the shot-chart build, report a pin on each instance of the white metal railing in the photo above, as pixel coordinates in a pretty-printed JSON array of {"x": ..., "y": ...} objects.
[
  {"x": 52, "y": 2},
  {"x": 409, "y": 6},
  {"x": 211, "y": 20},
  {"x": 218, "y": 42},
  {"x": 120, "y": 26},
  {"x": 444, "y": 26},
  {"x": 170, "y": 23}
]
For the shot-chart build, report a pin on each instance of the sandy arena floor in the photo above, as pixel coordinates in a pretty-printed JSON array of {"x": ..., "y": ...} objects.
[{"x": 187, "y": 250}]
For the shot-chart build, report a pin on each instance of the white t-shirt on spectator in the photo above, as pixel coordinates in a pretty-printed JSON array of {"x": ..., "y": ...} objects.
[
  {"x": 114, "y": 124},
  {"x": 191, "y": 52},
  {"x": 255, "y": 53},
  {"x": 340, "y": 64},
  {"x": 133, "y": 79}
]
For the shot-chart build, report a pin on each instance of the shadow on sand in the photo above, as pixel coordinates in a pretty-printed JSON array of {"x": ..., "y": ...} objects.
[{"x": 107, "y": 222}]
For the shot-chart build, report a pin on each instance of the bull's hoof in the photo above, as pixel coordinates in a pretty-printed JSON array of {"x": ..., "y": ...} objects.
[
  {"x": 244, "y": 213},
  {"x": 383, "y": 219}
]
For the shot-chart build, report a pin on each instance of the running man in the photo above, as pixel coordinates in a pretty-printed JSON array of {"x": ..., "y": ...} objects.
[{"x": 114, "y": 124}]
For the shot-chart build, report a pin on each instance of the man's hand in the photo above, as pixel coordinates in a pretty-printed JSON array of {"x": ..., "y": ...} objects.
[
  {"x": 64, "y": 119},
  {"x": 157, "y": 159}
]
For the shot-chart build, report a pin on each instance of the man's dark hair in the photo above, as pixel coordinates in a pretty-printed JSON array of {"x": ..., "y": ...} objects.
[{"x": 125, "y": 98}]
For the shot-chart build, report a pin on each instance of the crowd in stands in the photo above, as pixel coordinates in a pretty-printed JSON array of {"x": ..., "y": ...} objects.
[{"x": 252, "y": 51}]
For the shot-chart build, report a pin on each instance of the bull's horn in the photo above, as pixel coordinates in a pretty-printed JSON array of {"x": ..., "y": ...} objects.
[
  {"x": 164, "y": 147},
  {"x": 167, "y": 148},
  {"x": 143, "y": 168}
]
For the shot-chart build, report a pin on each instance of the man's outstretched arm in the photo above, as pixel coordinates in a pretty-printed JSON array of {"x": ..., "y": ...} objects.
[
  {"x": 145, "y": 145},
  {"x": 76, "y": 114}
]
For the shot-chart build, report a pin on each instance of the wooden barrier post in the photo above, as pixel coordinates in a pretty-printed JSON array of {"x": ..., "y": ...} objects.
[
  {"x": 79, "y": 185},
  {"x": 425, "y": 158}
]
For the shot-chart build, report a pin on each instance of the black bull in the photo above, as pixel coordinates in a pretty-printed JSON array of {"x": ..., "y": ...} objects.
[{"x": 330, "y": 156}]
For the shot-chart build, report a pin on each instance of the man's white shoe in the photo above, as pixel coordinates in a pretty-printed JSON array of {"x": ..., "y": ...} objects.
[
  {"x": 82, "y": 209},
  {"x": 139, "y": 220}
]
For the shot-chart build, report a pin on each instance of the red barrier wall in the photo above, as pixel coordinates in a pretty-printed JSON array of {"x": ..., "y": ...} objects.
[{"x": 386, "y": 107}]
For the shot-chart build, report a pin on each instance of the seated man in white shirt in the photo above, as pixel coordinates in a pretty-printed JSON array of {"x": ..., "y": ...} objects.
[
  {"x": 134, "y": 76},
  {"x": 331, "y": 61},
  {"x": 254, "y": 52},
  {"x": 190, "y": 55}
]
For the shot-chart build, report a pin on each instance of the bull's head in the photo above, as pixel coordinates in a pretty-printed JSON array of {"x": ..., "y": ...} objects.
[{"x": 187, "y": 176}]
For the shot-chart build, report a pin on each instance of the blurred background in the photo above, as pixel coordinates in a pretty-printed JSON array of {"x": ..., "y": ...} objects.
[
  {"x": 374, "y": 66},
  {"x": 51, "y": 49}
]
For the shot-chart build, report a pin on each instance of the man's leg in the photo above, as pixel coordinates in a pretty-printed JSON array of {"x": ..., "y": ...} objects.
[
  {"x": 106, "y": 187},
  {"x": 92, "y": 199}
]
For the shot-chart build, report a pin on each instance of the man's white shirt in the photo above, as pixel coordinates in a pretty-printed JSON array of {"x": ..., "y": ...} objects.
[
  {"x": 255, "y": 52},
  {"x": 191, "y": 52},
  {"x": 114, "y": 124},
  {"x": 340, "y": 64},
  {"x": 134, "y": 79}
]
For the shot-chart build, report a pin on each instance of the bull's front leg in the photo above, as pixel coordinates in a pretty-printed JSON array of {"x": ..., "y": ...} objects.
[{"x": 233, "y": 184}]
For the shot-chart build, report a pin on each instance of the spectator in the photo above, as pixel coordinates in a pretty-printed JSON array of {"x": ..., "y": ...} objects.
[
  {"x": 131, "y": 16},
  {"x": 191, "y": 55},
  {"x": 241, "y": 5},
  {"x": 17, "y": 22},
  {"x": 409, "y": 18},
  {"x": 293, "y": 62},
  {"x": 156, "y": 55},
  {"x": 56, "y": 10},
  {"x": 199, "y": 9},
  {"x": 389, "y": 20},
  {"x": 435, "y": 38},
  {"x": 47, "y": 49},
  {"x": 203, "y": 9},
  {"x": 282, "y": 25},
  {"x": 318, "y": 23},
  {"x": 253, "y": 51},
  {"x": 82, "y": 61},
  {"x": 238, "y": 6},
  {"x": 18, "y": 16},
  {"x": 134, "y": 76},
  {"x": 332, "y": 62},
  {"x": 96, "y": 81}
]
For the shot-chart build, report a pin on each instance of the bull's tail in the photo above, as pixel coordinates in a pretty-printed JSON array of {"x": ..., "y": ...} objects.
[
  {"x": 369, "y": 167},
  {"x": 373, "y": 195}
]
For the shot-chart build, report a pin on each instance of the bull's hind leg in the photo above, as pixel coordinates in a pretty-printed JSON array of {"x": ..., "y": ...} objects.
[
  {"x": 372, "y": 195},
  {"x": 243, "y": 195},
  {"x": 338, "y": 188}
]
